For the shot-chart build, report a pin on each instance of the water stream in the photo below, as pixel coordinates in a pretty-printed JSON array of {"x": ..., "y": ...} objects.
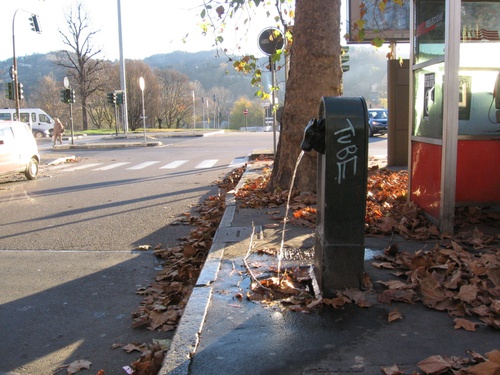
[{"x": 285, "y": 219}]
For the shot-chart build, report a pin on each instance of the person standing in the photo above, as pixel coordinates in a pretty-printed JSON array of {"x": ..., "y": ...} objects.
[{"x": 58, "y": 131}]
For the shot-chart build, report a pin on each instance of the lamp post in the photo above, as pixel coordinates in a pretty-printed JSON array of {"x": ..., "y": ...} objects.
[{"x": 142, "y": 85}]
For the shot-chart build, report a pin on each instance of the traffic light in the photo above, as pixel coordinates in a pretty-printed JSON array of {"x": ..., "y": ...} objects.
[
  {"x": 62, "y": 95},
  {"x": 72, "y": 98},
  {"x": 65, "y": 96},
  {"x": 20, "y": 91},
  {"x": 35, "y": 23},
  {"x": 9, "y": 93},
  {"x": 120, "y": 97},
  {"x": 345, "y": 59},
  {"x": 112, "y": 98}
]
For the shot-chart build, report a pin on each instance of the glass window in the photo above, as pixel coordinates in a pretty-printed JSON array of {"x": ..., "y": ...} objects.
[
  {"x": 429, "y": 102},
  {"x": 25, "y": 117},
  {"x": 6, "y": 135},
  {"x": 44, "y": 118},
  {"x": 429, "y": 30},
  {"x": 479, "y": 67}
]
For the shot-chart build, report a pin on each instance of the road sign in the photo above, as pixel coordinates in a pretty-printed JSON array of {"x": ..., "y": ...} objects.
[
  {"x": 245, "y": 112},
  {"x": 270, "y": 40}
]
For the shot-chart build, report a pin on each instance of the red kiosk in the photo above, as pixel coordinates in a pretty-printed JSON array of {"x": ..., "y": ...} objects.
[{"x": 454, "y": 145}]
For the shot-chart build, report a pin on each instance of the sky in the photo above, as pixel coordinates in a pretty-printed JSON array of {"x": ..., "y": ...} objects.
[{"x": 149, "y": 27}]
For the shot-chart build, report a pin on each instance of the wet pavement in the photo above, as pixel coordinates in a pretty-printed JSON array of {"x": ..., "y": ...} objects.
[{"x": 222, "y": 332}]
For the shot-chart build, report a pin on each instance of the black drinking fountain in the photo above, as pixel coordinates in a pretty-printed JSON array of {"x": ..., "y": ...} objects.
[{"x": 340, "y": 136}]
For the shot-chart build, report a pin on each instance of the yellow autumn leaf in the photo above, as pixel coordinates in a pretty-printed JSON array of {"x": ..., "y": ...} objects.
[{"x": 360, "y": 24}]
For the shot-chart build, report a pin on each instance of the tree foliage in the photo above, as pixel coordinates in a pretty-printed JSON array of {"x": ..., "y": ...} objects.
[
  {"x": 135, "y": 70},
  {"x": 254, "y": 117}
]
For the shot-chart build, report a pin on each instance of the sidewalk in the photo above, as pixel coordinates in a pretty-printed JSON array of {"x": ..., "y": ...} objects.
[
  {"x": 129, "y": 140},
  {"x": 222, "y": 332}
]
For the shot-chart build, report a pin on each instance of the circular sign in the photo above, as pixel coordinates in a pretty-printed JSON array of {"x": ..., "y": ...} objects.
[
  {"x": 270, "y": 40},
  {"x": 245, "y": 112}
]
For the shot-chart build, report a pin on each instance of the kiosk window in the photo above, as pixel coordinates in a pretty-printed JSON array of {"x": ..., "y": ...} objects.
[{"x": 429, "y": 30}]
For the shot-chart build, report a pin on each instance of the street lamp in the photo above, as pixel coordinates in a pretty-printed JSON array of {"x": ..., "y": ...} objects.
[{"x": 142, "y": 85}]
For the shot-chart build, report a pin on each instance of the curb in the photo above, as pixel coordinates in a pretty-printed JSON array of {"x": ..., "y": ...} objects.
[
  {"x": 186, "y": 338},
  {"x": 90, "y": 146}
]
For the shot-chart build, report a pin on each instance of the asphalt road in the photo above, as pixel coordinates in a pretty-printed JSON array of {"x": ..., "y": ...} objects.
[
  {"x": 69, "y": 268},
  {"x": 69, "y": 264}
]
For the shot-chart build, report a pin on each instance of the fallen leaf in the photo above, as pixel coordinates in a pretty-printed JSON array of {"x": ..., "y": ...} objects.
[
  {"x": 465, "y": 324},
  {"x": 131, "y": 347},
  {"x": 467, "y": 293},
  {"x": 490, "y": 367},
  {"x": 394, "y": 315},
  {"x": 393, "y": 370},
  {"x": 434, "y": 365},
  {"x": 76, "y": 366}
]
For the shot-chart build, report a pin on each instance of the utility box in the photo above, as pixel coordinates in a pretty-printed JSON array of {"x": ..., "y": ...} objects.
[{"x": 341, "y": 138}]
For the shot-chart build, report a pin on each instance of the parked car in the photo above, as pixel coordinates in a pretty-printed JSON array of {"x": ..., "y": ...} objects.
[
  {"x": 377, "y": 121},
  {"x": 18, "y": 150}
]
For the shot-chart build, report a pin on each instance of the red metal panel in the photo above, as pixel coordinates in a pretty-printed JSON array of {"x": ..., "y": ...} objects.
[
  {"x": 478, "y": 171},
  {"x": 426, "y": 177}
]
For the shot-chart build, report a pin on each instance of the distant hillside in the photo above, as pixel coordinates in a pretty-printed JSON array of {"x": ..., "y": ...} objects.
[
  {"x": 367, "y": 76},
  {"x": 207, "y": 68}
]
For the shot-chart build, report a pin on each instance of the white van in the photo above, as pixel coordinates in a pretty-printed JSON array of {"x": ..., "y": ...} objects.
[{"x": 40, "y": 122}]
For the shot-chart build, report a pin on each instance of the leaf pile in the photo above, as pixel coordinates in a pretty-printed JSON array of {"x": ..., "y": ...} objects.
[
  {"x": 474, "y": 364},
  {"x": 461, "y": 282},
  {"x": 165, "y": 299},
  {"x": 388, "y": 210},
  {"x": 151, "y": 358}
]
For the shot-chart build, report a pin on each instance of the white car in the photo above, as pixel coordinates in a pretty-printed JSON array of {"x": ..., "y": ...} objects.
[{"x": 18, "y": 150}]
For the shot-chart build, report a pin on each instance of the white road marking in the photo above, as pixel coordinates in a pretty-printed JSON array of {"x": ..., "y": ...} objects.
[
  {"x": 206, "y": 163},
  {"x": 238, "y": 161},
  {"x": 80, "y": 167},
  {"x": 142, "y": 165},
  {"x": 111, "y": 166},
  {"x": 174, "y": 164}
]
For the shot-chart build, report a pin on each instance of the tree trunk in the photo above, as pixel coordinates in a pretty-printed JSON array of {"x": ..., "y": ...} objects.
[
  {"x": 84, "y": 113},
  {"x": 315, "y": 71}
]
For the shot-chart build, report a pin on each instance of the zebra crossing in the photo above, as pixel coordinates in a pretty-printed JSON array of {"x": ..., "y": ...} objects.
[{"x": 130, "y": 166}]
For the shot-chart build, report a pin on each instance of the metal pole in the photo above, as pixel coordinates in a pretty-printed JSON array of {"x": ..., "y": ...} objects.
[
  {"x": 202, "y": 113},
  {"x": 16, "y": 80},
  {"x": 215, "y": 109},
  {"x": 142, "y": 85},
  {"x": 194, "y": 112},
  {"x": 116, "y": 118},
  {"x": 123, "y": 81},
  {"x": 273, "y": 77},
  {"x": 71, "y": 119}
]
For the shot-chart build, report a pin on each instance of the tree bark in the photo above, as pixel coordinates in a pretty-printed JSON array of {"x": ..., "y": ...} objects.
[{"x": 315, "y": 71}]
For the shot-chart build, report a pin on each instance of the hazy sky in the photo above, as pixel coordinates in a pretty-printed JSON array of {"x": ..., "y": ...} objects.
[{"x": 148, "y": 27}]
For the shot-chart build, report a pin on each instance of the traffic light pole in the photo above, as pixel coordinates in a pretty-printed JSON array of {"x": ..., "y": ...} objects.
[
  {"x": 15, "y": 79},
  {"x": 71, "y": 119},
  {"x": 16, "y": 88}
]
